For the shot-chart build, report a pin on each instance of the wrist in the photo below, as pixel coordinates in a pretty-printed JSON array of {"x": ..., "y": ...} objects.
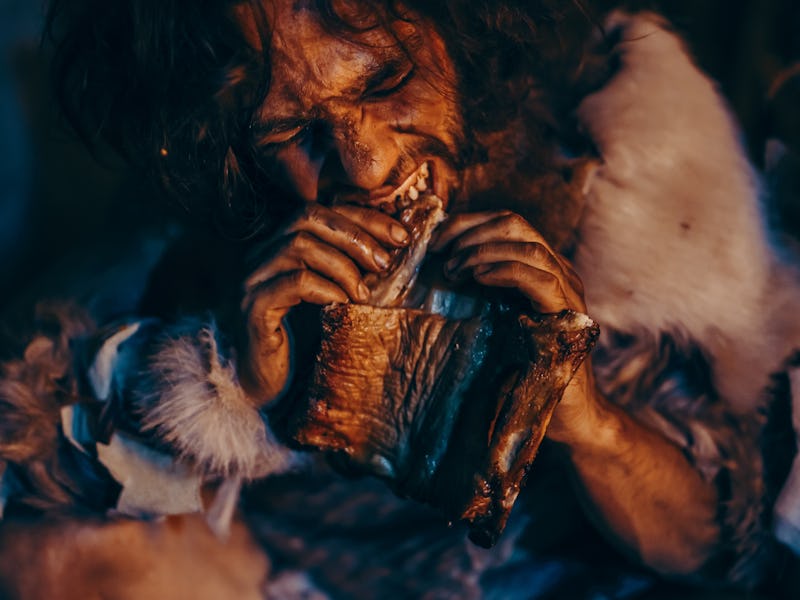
[{"x": 588, "y": 424}]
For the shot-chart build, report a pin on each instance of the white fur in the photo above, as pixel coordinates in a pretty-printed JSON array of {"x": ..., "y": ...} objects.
[
  {"x": 194, "y": 401},
  {"x": 672, "y": 238}
]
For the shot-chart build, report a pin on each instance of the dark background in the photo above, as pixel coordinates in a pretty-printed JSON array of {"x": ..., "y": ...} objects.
[{"x": 55, "y": 198}]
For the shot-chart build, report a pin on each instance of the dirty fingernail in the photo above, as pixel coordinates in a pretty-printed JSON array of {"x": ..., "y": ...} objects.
[
  {"x": 381, "y": 259},
  {"x": 362, "y": 292},
  {"x": 398, "y": 234}
]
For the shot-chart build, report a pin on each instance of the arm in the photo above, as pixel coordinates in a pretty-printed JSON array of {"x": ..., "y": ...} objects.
[
  {"x": 318, "y": 258},
  {"x": 638, "y": 484},
  {"x": 195, "y": 394}
]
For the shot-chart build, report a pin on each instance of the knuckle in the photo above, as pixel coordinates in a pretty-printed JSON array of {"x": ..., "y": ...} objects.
[
  {"x": 301, "y": 278},
  {"x": 551, "y": 282},
  {"x": 313, "y": 212},
  {"x": 510, "y": 222},
  {"x": 537, "y": 253},
  {"x": 356, "y": 237},
  {"x": 481, "y": 251},
  {"x": 517, "y": 272},
  {"x": 300, "y": 241}
]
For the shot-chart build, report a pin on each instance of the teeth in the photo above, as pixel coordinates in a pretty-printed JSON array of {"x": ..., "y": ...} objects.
[{"x": 412, "y": 188}]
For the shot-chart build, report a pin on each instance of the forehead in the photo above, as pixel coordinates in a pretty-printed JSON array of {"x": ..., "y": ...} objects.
[{"x": 309, "y": 63}]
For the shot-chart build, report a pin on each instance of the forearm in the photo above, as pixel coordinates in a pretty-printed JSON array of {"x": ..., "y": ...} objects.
[{"x": 642, "y": 491}]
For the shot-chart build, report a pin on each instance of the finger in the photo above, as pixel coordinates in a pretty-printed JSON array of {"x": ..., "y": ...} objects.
[
  {"x": 290, "y": 289},
  {"x": 507, "y": 227},
  {"x": 532, "y": 254},
  {"x": 574, "y": 280},
  {"x": 304, "y": 250},
  {"x": 379, "y": 225},
  {"x": 458, "y": 224},
  {"x": 542, "y": 288},
  {"x": 342, "y": 233}
]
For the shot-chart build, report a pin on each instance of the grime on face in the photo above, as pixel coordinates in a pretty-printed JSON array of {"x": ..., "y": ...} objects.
[{"x": 366, "y": 118}]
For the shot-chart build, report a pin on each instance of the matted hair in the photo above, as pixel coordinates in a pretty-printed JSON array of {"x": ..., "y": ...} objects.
[{"x": 172, "y": 85}]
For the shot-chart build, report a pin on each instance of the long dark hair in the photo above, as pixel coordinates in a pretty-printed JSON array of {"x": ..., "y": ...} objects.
[{"x": 172, "y": 84}]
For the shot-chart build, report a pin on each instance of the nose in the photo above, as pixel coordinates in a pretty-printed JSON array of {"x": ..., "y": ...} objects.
[
  {"x": 345, "y": 158},
  {"x": 366, "y": 153}
]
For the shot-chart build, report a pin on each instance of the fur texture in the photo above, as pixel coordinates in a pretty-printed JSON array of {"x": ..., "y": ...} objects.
[
  {"x": 672, "y": 239},
  {"x": 32, "y": 391},
  {"x": 191, "y": 398}
]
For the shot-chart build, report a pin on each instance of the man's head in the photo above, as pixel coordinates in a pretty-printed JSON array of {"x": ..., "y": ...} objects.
[
  {"x": 358, "y": 101},
  {"x": 254, "y": 105}
]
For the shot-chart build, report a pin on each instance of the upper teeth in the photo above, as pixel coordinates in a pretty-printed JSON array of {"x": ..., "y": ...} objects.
[{"x": 410, "y": 190}]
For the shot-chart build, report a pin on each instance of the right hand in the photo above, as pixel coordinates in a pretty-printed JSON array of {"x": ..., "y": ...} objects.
[{"x": 319, "y": 257}]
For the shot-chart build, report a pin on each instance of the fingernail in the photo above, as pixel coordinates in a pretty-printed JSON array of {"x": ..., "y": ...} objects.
[
  {"x": 381, "y": 260},
  {"x": 362, "y": 292},
  {"x": 398, "y": 234}
]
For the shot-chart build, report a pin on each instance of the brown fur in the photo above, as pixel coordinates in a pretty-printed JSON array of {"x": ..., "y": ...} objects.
[
  {"x": 33, "y": 389},
  {"x": 90, "y": 559}
]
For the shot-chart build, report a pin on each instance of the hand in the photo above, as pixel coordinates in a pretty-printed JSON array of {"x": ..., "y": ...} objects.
[
  {"x": 318, "y": 258},
  {"x": 501, "y": 249}
]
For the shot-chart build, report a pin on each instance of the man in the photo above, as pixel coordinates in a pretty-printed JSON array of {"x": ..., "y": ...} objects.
[{"x": 595, "y": 173}]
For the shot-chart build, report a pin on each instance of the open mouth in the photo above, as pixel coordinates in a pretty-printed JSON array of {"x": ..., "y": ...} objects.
[{"x": 409, "y": 191}]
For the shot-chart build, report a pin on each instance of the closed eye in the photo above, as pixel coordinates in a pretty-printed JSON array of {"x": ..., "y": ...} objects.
[
  {"x": 389, "y": 80},
  {"x": 278, "y": 134}
]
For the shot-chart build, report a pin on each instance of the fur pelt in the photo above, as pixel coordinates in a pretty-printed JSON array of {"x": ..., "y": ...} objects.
[
  {"x": 33, "y": 389},
  {"x": 189, "y": 396},
  {"x": 673, "y": 237}
]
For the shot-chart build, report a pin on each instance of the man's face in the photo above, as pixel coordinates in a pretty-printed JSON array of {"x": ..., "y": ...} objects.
[{"x": 353, "y": 118}]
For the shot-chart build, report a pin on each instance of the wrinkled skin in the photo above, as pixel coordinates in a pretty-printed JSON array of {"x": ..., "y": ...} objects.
[{"x": 343, "y": 125}]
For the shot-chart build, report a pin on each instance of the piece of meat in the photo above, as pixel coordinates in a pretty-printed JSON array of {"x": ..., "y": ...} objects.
[
  {"x": 450, "y": 411},
  {"x": 421, "y": 219}
]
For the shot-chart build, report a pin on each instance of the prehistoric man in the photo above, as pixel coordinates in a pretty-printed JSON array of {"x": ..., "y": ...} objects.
[{"x": 584, "y": 168}]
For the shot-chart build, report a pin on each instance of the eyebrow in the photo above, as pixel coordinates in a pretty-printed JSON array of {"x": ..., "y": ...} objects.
[{"x": 379, "y": 73}]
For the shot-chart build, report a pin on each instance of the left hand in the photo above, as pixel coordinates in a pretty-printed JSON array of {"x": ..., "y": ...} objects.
[{"x": 501, "y": 249}]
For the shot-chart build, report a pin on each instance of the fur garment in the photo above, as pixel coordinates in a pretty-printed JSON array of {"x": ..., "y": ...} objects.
[{"x": 696, "y": 306}]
